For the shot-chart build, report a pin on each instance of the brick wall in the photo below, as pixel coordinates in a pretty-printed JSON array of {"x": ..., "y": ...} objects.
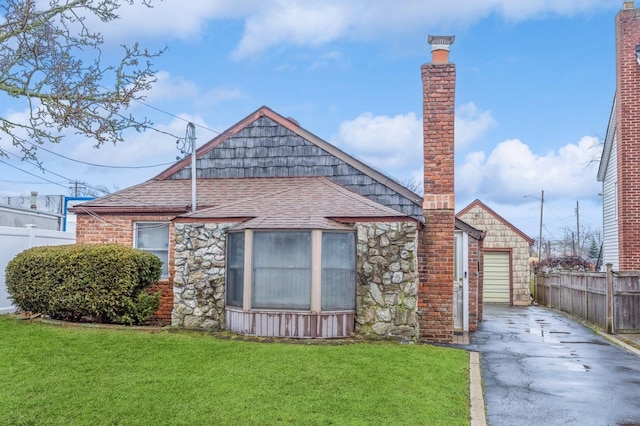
[
  {"x": 628, "y": 136},
  {"x": 105, "y": 229},
  {"x": 436, "y": 249}
]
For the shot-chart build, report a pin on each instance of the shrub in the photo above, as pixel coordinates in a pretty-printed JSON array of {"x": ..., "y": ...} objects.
[
  {"x": 563, "y": 263},
  {"x": 104, "y": 283}
]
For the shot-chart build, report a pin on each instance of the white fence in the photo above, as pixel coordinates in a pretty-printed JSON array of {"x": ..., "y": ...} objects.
[{"x": 15, "y": 240}]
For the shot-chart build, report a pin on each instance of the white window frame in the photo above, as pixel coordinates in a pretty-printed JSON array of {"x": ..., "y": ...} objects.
[{"x": 154, "y": 249}]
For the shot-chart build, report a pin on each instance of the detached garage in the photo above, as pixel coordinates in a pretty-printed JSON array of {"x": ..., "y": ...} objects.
[{"x": 506, "y": 272}]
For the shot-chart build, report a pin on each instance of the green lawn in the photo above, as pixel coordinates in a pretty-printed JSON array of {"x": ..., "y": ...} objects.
[{"x": 51, "y": 375}]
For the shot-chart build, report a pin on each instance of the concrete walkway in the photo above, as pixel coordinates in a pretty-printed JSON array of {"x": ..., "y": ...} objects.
[{"x": 539, "y": 367}]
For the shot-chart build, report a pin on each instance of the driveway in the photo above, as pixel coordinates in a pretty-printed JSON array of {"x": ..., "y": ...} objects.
[{"x": 541, "y": 368}]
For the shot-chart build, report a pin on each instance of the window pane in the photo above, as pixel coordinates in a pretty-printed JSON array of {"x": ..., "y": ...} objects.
[
  {"x": 282, "y": 270},
  {"x": 338, "y": 271},
  {"x": 235, "y": 268},
  {"x": 153, "y": 237}
]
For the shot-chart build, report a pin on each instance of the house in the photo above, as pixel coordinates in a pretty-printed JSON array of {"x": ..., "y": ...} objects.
[
  {"x": 290, "y": 236},
  {"x": 619, "y": 164},
  {"x": 506, "y": 273},
  {"x": 41, "y": 211}
]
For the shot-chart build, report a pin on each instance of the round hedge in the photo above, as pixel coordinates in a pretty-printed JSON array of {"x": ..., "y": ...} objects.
[{"x": 99, "y": 282}]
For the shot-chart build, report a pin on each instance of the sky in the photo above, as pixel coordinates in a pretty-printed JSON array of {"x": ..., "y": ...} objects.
[{"x": 535, "y": 86}]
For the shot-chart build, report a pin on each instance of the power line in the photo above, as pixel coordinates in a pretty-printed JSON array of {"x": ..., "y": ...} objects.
[
  {"x": 141, "y": 102},
  {"x": 176, "y": 116},
  {"x": 33, "y": 174},
  {"x": 98, "y": 165}
]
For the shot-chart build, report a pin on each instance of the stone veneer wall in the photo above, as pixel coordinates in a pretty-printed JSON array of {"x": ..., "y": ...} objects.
[
  {"x": 499, "y": 236},
  {"x": 387, "y": 280},
  {"x": 199, "y": 282}
]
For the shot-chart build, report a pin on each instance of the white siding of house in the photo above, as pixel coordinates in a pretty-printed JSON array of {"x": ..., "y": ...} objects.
[{"x": 610, "y": 210}]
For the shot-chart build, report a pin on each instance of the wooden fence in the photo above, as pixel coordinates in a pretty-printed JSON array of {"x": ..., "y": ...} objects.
[{"x": 610, "y": 300}]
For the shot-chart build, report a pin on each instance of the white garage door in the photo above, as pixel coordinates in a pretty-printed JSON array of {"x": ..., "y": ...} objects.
[{"x": 496, "y": 277}]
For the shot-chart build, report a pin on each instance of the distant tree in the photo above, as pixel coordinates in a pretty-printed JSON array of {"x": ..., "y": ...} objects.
[
  {"x": 594, "y": 250},
  {"x": 84, "y": 189},
  {"x": 413, "y": 185},
  {"x": 566, "y": 263},
  {"x": 52, "y": 60}
]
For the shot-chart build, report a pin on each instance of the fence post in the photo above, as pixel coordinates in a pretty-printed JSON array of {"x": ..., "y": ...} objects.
[
  {"x": 610, "y": 328},
  {"x": 32, "y": 237}
]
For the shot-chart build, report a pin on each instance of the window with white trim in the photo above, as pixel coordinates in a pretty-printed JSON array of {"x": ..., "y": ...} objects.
[
  {"x": 291, "y": 270},
  {"x": 154, "y": 238}
]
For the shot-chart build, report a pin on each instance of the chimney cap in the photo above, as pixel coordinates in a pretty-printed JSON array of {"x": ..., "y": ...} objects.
[
  {"x": 440, "y": 42},
  {"x": 628, "y": 5}
]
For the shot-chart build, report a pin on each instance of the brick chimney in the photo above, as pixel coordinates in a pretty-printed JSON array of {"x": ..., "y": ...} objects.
[
  {"x": 627, "y": 135},
  {"x": 436, "y": 251}
]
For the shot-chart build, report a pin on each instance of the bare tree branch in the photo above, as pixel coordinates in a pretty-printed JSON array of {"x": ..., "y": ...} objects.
[{"x": 51, "y": 59}]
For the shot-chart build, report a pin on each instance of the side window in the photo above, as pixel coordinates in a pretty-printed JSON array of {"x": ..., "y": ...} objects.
[
  {"x": 154, "y": 238},
  {"x": 235, "y": 268},
  {"x": 338, "y": 271}
]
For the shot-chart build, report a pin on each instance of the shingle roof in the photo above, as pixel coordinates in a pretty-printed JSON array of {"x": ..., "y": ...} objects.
[{"x": 300, "y": 202}]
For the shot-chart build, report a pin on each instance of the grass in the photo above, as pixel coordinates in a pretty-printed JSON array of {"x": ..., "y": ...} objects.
[{"x": 51, "y": 375}]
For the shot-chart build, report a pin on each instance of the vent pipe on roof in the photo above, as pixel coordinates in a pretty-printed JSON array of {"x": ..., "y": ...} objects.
[{"x": 191, "y": 137}]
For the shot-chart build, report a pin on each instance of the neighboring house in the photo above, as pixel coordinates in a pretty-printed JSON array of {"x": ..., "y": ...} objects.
[
  {"x": 290, "y": 236},
  {"x": 506, "y": 273},
  {"x": 43, "y": 211},
  {"x": 620, "y": 162},
  {"x": 19, "y": 217}
]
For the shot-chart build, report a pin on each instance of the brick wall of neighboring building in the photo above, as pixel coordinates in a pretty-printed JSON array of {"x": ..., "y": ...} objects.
[
  {"x": 436, "y": 251},
  {"x": 105, "y": 229},
  {"x": 628, "y": 136}
]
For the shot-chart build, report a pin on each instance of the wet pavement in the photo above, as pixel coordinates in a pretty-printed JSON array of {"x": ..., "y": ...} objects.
[{"x": 539, "y": 367}]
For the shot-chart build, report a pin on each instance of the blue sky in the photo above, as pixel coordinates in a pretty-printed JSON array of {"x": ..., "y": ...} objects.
[{"x": 534, "y": 92}]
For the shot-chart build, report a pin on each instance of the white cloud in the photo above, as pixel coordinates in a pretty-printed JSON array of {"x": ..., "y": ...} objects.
[
  {"x": 172, "y": 88},
  {"x": 392, "y": 144},
  {"x": 471, "y": 124},
  {"x": 513, "y": 170},
  {"x": 271, "y": 23},
  {"x": 222, "y": 94},
  {"x": 288, "y": 22}
]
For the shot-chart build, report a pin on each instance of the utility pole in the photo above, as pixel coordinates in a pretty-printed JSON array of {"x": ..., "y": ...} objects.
[
  {"x": 579, "y": 251},
  {"x": 540, "y": 234}
]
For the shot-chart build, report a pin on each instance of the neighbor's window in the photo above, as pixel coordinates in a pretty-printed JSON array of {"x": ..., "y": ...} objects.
[
  {"x": 281, "y": 270},
  {"x": 154, "y": 238}
]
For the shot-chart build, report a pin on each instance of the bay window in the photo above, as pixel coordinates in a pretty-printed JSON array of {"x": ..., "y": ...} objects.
[{"x": 291, "y": 270}]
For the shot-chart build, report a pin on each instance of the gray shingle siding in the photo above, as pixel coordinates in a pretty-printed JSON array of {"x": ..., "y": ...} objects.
[{"x": 266, "y": 149}]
